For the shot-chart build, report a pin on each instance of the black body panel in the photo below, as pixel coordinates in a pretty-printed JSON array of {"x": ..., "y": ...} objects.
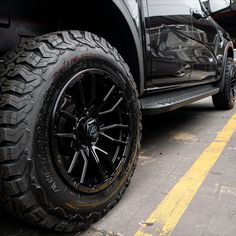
[
  {"x": 185, "y": 43},
  {"x": 171, "y": 43},
  {"x": 170, "y": 50},
  {"x": 33, "y": 18}
]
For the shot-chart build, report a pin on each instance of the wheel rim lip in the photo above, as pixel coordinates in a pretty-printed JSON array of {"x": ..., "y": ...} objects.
[{"x": 101, "y": 186}]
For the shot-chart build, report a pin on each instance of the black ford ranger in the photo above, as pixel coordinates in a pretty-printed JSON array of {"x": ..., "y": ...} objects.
[{"x": 74, "y": 80}]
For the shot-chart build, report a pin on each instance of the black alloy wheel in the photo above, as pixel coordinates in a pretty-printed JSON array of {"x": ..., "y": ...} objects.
[
  {"x": 90, "y": 130},
  {"x": 70, "y": 127},
  {"x": 225, "y": 99}
]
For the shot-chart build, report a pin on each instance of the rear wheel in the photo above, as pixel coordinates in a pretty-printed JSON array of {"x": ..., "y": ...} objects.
[
  {"x": 70, "y": 120},
  {"x": 225, "y": 100}
]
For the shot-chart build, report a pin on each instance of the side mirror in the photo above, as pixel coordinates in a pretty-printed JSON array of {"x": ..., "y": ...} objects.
[{"x": 218, "y": 5}]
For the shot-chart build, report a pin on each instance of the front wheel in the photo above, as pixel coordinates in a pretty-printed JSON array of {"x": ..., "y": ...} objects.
[
  {"x": 225, "y": 100},
  {"x": 70, "y": 137}
]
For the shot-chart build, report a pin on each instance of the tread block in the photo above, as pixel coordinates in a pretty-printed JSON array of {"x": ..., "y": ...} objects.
[
  {"x": 37, "y": 214},
  {"x": 12, "y": 118},
  {"x": 11, "y": 152},
  {"x": 26, "y": 74},
  {"x": 64, "y": 226},
  {"x": 12, "y": 169},
  {"x": 17, "y": 102},
  {"x": 29, "y": 57},
  {"x": 49, "y": 222},
  {"x": 18, "y": 185},
  {"x": 12, "y": 135},
  {"x": 25, "y": 202},
  {"x": 72, "y": 44}
]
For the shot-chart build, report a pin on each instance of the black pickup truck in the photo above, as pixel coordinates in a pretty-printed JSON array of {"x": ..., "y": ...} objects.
[{"x": 75, "y": 79}]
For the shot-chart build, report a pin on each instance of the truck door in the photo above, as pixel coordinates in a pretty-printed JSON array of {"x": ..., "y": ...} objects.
[
  {"x": 169, "y": 45},
  {"x": 205, "y": 43}
]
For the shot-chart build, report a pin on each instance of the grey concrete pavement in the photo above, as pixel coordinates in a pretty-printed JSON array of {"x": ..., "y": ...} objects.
[{"x": 171, "y": 144}]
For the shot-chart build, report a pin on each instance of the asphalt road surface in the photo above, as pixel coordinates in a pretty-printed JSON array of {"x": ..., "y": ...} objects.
[{"x": 172, "y": 143}]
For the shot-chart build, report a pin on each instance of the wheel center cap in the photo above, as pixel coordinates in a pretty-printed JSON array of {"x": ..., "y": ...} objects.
[{"x": 92, "y": 129}]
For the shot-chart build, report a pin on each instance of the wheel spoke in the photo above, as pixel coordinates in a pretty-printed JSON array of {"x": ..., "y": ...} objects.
[
  {"x": 65, "y": 135},
  {"x": 68, "y": 115},
  {"x": 89, "y": 161},
  {"x": 66, "y": 99},
  {"x": 107, "y": 156},
  {"x": 93, "y": 88},
  {"x": 81, "y": 94},
  {"x": 101, "y": 172},
  {"x": 93, "y": 91},
  {"x": 85, "y": 167},
  {"x": 106, "y": 98},
  {"x": 118, "y": 126},
  {"x": 73, "y": 163},
  {"x": 113, "y": 140},
  {"x": 93, "y": 94},
  {"x": 99, "y": 149},
  {"x": 112, "y": 109}
]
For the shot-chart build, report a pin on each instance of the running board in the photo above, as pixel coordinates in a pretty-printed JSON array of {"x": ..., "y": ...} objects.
[{"x": 170, "y": 101}]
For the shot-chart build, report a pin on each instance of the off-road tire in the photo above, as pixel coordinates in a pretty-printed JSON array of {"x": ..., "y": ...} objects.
[
  {"x": 225, "y": 99},
  {"x": 32, "y": 77}
]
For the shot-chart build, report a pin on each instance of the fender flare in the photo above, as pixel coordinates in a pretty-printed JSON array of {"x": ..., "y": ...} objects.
[{"x": 137, "y": 40}]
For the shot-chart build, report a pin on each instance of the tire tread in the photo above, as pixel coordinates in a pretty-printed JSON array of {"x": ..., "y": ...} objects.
[{"x": 20, "y": 76}]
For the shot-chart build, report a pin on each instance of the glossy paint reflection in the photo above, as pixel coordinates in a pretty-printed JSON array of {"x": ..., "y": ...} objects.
[{"x": 183, "y": 41}]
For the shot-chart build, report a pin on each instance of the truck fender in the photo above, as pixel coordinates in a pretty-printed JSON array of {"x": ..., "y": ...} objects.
[{"x": 137, "y": 37}]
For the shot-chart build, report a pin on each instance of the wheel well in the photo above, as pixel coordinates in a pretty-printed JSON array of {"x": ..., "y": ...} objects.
[
  {"x": 30, "y": 19},
  {"x": 104, "y": 19}
]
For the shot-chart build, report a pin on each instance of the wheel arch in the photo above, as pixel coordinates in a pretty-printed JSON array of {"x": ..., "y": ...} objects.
[
  {"x": 230, "y": 52},
  {"x": 137, "y": 40},
  {"x": 112, "y": 20},
  {"x": 117, "y": 24},
  {"x": 122, "y": 31}
]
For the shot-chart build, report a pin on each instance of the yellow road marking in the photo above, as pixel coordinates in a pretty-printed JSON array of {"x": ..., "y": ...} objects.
[{"x": 166, "y": 216}]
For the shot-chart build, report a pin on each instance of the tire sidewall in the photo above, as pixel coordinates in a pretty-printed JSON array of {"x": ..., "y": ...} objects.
[
  {"x": 228, "y": 82},
  {"x": 56, "y": 192},
  {"x": 225, "y": 100}
]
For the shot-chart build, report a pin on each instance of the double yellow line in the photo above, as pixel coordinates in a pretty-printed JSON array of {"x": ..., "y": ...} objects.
[{"x": 166, "y": 216}]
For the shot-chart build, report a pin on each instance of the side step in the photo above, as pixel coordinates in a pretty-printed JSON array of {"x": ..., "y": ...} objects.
[{"x": 169, "y": 101}]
